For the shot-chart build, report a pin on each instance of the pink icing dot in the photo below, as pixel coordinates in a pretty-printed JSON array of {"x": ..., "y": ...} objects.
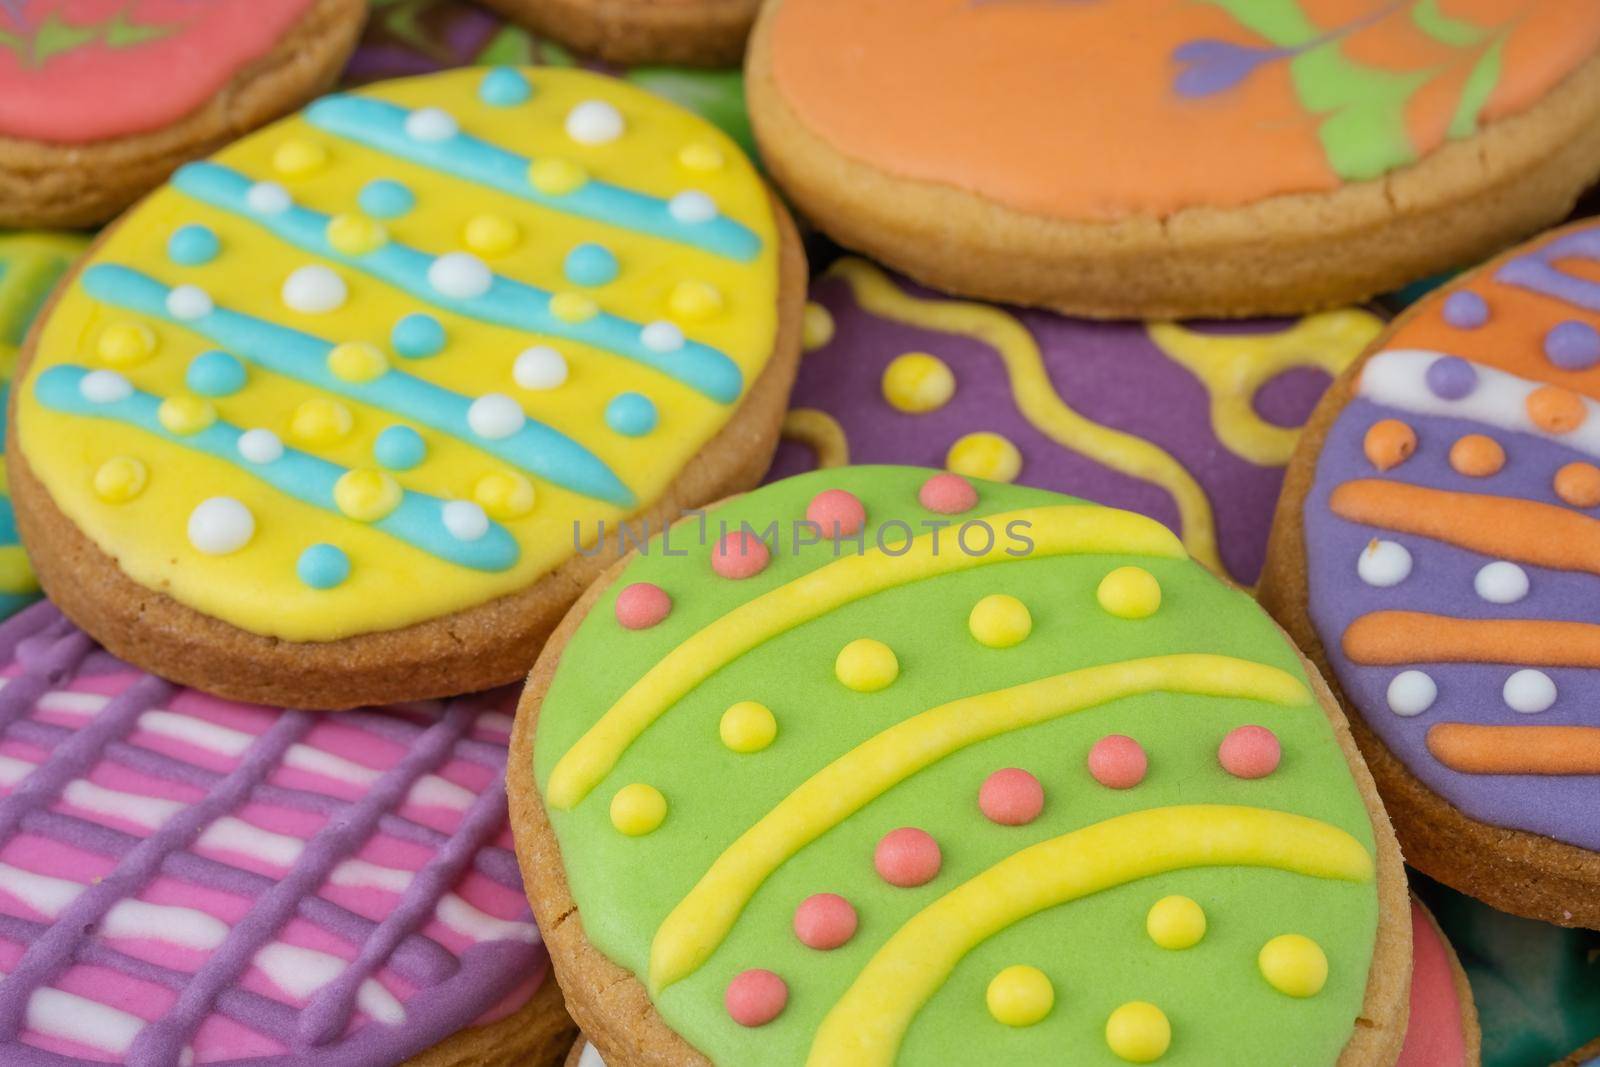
[
  {"x": 755, "y": 997},
  {"x": 642, "y": 605},
  {"x": 824, "y": 921},
  {"x": 1118, "y": 762},
  {"x": 948, "y": 494},
  {"x": 1250, "y": 752},
  {"x": 836, "y": 508},
  {"x": 740, "y": 554},
  {"x": 907, "y": 857},
  {"x": 1011, "y": 797}
]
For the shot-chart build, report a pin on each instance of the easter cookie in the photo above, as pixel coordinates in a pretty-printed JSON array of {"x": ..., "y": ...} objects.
[
  {"x": 1188, "y": 423},
  {"x": 184, "y": 879},
  {"x": 1586, "y": 1056},
  {"x": 1435, "y": 551},
  {"x": 1145, "y": 159},
  {"x": 697, "y": 32},
  {"x": 100, "y": 99},
  {"x": 345, "y": 414},
  {"x": 960, "y": 769}
]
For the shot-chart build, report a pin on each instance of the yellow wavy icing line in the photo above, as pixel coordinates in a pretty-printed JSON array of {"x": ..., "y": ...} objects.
[
  {"x": 865, "y": 1028},
  {"x": 702, "y": 919},
  {"x": 1036, "y": 397},
  {"x": 1062, "y": 529},
  {"x": 821, "y": 433},
  {"x": 1233, "y": 367}
]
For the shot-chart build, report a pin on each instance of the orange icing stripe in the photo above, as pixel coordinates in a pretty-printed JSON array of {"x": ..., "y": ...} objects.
[
  {"x": 1525, "y": 531},
  {"x": 1473, "y": 749},
  {"x": 1390, "y": 637}
]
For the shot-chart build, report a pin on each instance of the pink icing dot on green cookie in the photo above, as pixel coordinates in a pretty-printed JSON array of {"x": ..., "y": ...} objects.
[
  {"x": 837, "y": 512},
  {"x": 907, "y": 857},
  {"x": 824, "y": 921},
  {"x": 1250, "y": 752},
  {"x": 740, "y": 554},
  {"x": 756, "y": 997},
  {"x": 1118, "y": 762},
  {"x": 642, "y": 605},
  {"x": 948, "y": 494},
  {"x": 1011, "y": 797}
]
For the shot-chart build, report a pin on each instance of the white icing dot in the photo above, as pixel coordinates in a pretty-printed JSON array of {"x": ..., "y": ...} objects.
[
  {"x": 260, "y": 446},
  {"x": 1529, "y": 692},
  {"x": 460, "y": 274},
  {"x": 465, "y": 520},
  {"x": 431, "y": 124},
  {"x": 495, "y": 415},
  {"x": 104, "y": 387},
  {"x": 188, "y": 302},
  {"x": 314, "y": 289},
  {"x": 221, "y": 525},
  {"x": 1384, "y": 563},
  {"x": 594, "y": 122},
  {"x": 540, "y": 367},
  {"x": 1501, "y": 582},
  {"x": 692, "y": 206},
  {"x": 267, "y": 198},
  {"x": 661, "y": 337},
  {"x": 1411, "y": 693}
]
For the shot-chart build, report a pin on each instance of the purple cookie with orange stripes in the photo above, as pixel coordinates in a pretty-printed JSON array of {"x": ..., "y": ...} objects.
[
  {"x": 184, "y": 879},
  {"x": 1438, "y": 548}
]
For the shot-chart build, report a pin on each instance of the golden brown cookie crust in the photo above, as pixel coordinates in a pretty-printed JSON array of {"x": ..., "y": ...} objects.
[
  {"x": 535, "y": 1035},
  {"x": 1283, "y": 255},
  {"x": 52, "y": 185},
  {"x": 479, "y": 648},
  {"x": 613, "y": 1007},
  {"x": 700, "y": 33},
  {"x": 1582, "y": 1055}
]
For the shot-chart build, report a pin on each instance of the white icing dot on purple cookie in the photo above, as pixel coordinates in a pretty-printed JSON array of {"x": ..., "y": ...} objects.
[
  {"x": 1529, "y": 691},
  {"x": 1465, "y": 310},
  {"x": 1572, "y": 345},
  {"x": 1411, "y": 693},
  {"x": 1451, "y": 378},
  {"x": 1501, "y": 582},
  {"x": 1384, "y": 563}
]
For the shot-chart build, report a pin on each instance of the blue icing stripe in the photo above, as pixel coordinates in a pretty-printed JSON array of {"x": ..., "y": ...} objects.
[
  {"x": 381, "y": 125},
  {"x": 418, "y": 520},
  {"x": 535, "y": 447},
  {"x": 506, "y": 303}
]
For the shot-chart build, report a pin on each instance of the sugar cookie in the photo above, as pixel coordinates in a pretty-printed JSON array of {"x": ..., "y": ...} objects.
[{"x": 697, "y": 32}]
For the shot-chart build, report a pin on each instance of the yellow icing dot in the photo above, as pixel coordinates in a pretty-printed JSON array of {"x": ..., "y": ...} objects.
[
  {"x": 985, "y": 455},
  {"x": 637, "y": 809},
  {"x": 572, "y": 307},
  {"x": 866, "y": 665},
  {"x": 357, "y": 361},
  {"x": 366, "y": 495},
  {"x": 120, "y": 479},
  {"x": 748, "y": 727},
  {"x": 816, "y": 327},
  {"x": 1129, "y": 593},
  {"x": 491, "y": 235},
  {"x": 297, "y": 158},
  {"x": 698, "y": 155},
  {"x": 356, "y": 235},
  {"x": 692, "y": 300},
  {"x": 1020, "y": 995},
  {"x": 320, "y": 421},
  {"x": 184, "y": 414},
  {"x": 554, "y": 177},
  {"x": 918, "y": 382},
  {"x": 1139, "y": 1032},
  {"x": 504, "y": 494},
  {"x": 1294, "y": 965},
  {"x": 1000, "y": 621},
  {"x": 123, "y": 344},
  {"x": 1175, "y": 922}
]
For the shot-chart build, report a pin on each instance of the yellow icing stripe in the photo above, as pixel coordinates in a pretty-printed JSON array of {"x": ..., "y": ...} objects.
[
  {"x": 1036, "y": 397},
  {"x": 865, "y": 1027},
  {"x": 820, "y": 432},
  {"x": 1059, "y": 530},
  {"x": 702, "y": 919},
  {"x": 1233, "y": 367}
]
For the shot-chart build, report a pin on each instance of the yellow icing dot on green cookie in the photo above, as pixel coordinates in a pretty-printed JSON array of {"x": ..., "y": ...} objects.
[
  {"x": 1139, "y": 1032},
  {"x": 1176, "y": 922},
  {"x": 917, "y": 382},
  {"x": 119, "y": 479},
  {"x": 1000, "y": 621},
  {"x": 1020, "y": 995},
  {"x": 638, "y": 809},
  {"x": 866, "y": 665},
  {"x": 1294, "y": 965},
  {"x": 985, "y": 455},
  {"x": 1130, "y": 593},
  {"x": 748, "y": 726}
]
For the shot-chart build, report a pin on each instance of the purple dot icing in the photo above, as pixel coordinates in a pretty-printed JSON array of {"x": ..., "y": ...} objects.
[
  {"x": 1451, "y": 377},
  {"x": 1572, "y": 345},
  {"x": 1465, "y": 310}
]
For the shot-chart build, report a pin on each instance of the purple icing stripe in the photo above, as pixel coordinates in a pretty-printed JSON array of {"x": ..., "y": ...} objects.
[{"x": 1536, "y": 270}]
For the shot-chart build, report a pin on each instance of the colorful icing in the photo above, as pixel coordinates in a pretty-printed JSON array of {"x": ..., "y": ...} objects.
[
  {"x": 1435, "y": 1028},
  {"x": 387, "y": 345},
  {"x": 1189, "y": 424},
  {"x": 186, "y": 879},
  {"x": 1477, "y": 665},
  {"x": 951, "y": 811},
  {"x": 1220, "y": 103}
]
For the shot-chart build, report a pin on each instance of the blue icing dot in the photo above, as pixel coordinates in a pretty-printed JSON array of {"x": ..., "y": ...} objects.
[
  {"x": 631, "y": 414},
  {"x": 399, "y": 448},
  {"x": 417, "y": 335},
  {"x": 386, "y": 199},
  {"x": 504, "y": 87},
  {"x": 591, "y": 264},
  {"x": 323, "y": 566},
  {"x": 215, "y": 374},
  {"x": 193, "y": 245}
]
